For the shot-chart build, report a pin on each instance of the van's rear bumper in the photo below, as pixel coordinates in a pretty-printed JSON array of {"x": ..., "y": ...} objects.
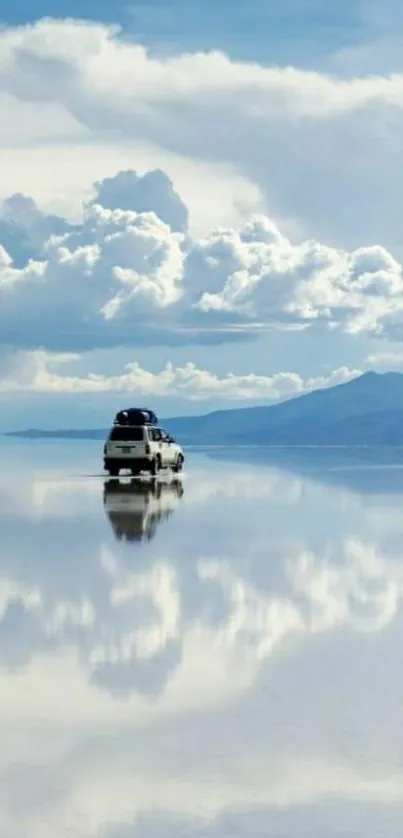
[{"x": 138, "y": 463}]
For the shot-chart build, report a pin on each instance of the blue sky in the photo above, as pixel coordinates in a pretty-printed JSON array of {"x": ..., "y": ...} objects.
[
  {"x": 293, "y": 30},
  {"x": 265, "y": 141}
]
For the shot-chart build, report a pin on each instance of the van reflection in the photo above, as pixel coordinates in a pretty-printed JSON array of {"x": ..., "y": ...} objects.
[{"x": 136, "y": 507}]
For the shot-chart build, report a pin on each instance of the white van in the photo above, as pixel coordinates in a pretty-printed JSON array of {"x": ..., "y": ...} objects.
[{"x": 141, "y": 448}]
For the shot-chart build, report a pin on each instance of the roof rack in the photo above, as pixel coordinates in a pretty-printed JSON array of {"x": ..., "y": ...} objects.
[
  {"x": 136, "y": 416},
  {"x": 135, "y": 424}
]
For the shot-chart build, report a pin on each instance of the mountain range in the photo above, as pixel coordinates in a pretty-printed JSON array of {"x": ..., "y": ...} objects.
[{"x": 365, "y": 411}]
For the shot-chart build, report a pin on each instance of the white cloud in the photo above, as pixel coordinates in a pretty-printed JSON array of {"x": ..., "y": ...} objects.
[
  {"x": 119, "y": 265},
  {"x": 391, "y": 359},
  {"x": 133, "y": 275},
  {"x": 214, "y": 193},
  {"x": 133, "y": 272},
  {"x": 259, "y": 273},
  {"x": 77, "y": 51},
  {"x": 37, "y": 372},
  {"x": 151, "y": 192},
  {"x": 320, "y": 146}
]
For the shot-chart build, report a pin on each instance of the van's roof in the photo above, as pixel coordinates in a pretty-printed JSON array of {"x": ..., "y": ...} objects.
[{"x": 148, "y": 425}]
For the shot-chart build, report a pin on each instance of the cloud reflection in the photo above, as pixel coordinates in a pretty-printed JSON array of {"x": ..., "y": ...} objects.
[
  {"x": 226, "y": 677},
  {"x": 131, "y": 629}
]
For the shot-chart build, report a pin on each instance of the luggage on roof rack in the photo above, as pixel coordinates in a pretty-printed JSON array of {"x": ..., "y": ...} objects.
[{"x": 136, "y": 416}]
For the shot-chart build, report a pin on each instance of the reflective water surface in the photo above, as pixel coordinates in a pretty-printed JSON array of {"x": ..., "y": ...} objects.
[{"x": 215, "y": 655}]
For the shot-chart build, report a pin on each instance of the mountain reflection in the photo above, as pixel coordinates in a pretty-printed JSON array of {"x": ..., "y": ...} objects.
[
  {"x": 366, "y": 471},
  {"x": 135, "y": 508}
]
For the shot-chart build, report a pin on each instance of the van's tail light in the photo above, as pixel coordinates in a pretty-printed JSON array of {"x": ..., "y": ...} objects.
[{"x": 148, "y": 449}]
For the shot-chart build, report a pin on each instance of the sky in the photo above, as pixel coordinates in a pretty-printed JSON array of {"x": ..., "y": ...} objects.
[{"x": 200, "y": 203}]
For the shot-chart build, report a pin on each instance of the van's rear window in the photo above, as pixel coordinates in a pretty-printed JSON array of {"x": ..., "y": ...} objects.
[{"x": 125, "y": 434}]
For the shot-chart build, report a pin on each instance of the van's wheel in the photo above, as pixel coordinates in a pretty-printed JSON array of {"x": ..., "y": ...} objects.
[
  {"x": 178, "y": 465},
  {"x": 135, "y": 471},
  {"x": 155, "y": 465},
  {"x": 114, "y": 471}
]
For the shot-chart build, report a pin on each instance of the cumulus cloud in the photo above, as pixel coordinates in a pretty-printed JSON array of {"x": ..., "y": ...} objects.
[
  {"x": 112, "y": 273},
  {"x": 132, "y": 274},
  {"x": 40, "y": 372},
  {"x": 259, "y": 274},
  {"x": 151, "y": 192},
  {"x": 24, "y": 228},
  {"x": 320, "y": 146}
]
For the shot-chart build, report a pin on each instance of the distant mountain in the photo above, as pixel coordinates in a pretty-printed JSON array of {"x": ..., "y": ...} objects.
[{"x": 365, "y": 411}]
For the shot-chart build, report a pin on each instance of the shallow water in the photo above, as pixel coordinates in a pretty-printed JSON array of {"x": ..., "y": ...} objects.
[{"x": 217, "y": 656}]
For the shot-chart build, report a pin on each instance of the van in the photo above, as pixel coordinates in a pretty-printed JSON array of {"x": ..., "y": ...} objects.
[{"x": 141, "y": 448}]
